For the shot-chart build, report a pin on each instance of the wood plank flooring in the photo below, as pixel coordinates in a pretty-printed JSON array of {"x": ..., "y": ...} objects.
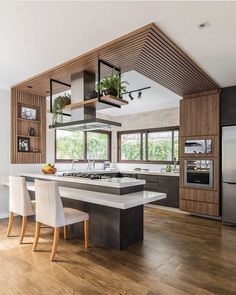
[{"x": 180, "y": 255}]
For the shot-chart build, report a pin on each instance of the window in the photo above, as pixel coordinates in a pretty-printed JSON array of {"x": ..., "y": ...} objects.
[
  {"x": 97, "y": 146},
  {"x": 152, "y": 145},
  {"x": 131, "y": 146},
  {"x": 93, "y": 145}
]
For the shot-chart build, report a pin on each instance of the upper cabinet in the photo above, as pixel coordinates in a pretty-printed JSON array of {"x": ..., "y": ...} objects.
[
  {"x": 228, "y": 106},
  {"x": 199, "y": 116}
]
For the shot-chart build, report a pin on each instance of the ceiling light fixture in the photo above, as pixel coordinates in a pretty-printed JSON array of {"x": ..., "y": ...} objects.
[
  {"x": 204, "y": 25},
  {"x": 130, "y": 96},
  {"x": 139, "y": 95}
]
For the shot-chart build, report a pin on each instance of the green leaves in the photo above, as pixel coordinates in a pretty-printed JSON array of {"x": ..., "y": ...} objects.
[
  {"x": 112, "y": 85},
  {"x": 58, "y": 105}
]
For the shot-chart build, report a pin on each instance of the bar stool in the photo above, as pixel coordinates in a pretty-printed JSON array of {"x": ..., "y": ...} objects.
[
  {"x": 49, "y": 211},
  {"x": 19, "y": 204}
]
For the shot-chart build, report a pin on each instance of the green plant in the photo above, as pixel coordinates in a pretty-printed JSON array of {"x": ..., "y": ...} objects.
[
  {"x": 58, "y": 105},
  {"x": 112, "y": 85}
]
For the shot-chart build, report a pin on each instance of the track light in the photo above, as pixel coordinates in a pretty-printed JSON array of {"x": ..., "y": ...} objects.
[
  {"x": 130, "y": 96},
  {"x": 139, "y": 95}
]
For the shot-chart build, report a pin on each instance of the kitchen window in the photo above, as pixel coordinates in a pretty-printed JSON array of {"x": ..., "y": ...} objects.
[
  {"x": 82, "y": 145},
  {"x": 149, "y": 146}
]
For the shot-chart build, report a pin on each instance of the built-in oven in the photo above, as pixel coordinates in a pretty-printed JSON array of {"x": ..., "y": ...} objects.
[{"x": 198, "y": 173}]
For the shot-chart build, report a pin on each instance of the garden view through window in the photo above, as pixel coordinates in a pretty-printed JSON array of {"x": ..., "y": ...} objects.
[
  {"x": 149, "y": 145},
  {"x": 80, "y": 145}
]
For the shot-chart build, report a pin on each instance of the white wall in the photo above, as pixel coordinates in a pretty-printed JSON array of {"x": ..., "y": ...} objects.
[{"x": 4, "y": 148}]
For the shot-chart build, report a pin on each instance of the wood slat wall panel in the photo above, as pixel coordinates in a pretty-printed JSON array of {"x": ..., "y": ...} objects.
[
  {"x": 147, "y": 50},
  {"x": 20, "y": 127}
]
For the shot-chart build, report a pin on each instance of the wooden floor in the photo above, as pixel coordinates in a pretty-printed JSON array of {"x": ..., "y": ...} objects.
[{"x": 180, "y": 255}]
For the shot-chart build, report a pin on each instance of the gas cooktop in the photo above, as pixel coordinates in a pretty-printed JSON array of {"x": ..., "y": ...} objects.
[{"x": 82, "y": 175}]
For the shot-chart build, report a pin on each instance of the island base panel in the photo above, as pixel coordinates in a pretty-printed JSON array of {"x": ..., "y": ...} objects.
[{"x": 111, "y": 227}]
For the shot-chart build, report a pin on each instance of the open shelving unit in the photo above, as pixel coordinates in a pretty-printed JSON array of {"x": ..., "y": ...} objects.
[
  {"x": 28, "y": 148},
  {"x": 94, "y": 101}
]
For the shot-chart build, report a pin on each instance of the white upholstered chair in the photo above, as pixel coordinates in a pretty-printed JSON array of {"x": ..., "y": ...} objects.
[
  {"x": 49, "y": 211},
  {"x": 19, "y": 203}
]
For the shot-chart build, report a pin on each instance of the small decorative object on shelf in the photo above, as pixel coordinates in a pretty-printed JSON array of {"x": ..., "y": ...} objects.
[
  {"x": 59, "y": 103},
  {"x": 31, "y": 132},
  {"x": 112, "y": 85},
  {"x": 35, "y": 150},
  {"x": 23, "y": 144},
  {"x": 49, "y": 169},
  {"x": 28, "y": 113}
]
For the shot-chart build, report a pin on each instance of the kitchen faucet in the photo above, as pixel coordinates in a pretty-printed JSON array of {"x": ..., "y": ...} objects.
[
  {"x": 88, "y": 168},
  {"x": 73, "y": 164},
  {"x": 175, "y": 164}
]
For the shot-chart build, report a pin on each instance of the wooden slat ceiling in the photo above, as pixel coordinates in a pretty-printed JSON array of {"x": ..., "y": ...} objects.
[{"x": 146, "y": 50}]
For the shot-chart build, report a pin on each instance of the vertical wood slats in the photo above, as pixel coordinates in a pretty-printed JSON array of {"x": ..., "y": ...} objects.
[
  {"x": 20, "y": 127},
  {"x": 199, "y": 119},
  {"x": 147, "y": 50}
]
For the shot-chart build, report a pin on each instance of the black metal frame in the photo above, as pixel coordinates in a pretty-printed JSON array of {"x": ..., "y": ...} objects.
[
  {"x": 100, "y": 62},
  {"x": 58, "y": 82},
  {"x": 136, "y": 90}
]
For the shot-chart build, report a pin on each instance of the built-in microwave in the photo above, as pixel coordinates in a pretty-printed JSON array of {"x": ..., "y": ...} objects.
[
  {"x": 198, "y": 173},
  {"x": 198, "y": 146}
]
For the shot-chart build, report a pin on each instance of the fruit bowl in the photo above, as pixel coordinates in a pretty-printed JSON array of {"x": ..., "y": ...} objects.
[{"x": 49, "y": 171}]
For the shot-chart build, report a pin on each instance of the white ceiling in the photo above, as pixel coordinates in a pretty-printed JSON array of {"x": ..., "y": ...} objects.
[{"x": 38, "y": 35}]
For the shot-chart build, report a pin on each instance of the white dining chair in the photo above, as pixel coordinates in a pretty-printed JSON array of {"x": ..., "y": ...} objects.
[
  {"x": 19, "y": 204},
  {"x": 50, "y": 212}
]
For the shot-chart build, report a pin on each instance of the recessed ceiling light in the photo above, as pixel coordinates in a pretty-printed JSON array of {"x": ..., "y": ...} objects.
[
  {"x": 204, "y": 25},
  {"x": 29, "y": 86}
]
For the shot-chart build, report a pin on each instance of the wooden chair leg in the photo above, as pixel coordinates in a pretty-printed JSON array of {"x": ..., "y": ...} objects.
[
  {"x": 37, "y": 234},
  {"x": 10, "y": 223},
  {"x": 86, "y": 233},
  {"x": 55, "y": 242},
  {"x": 23, "y": 228},
  {"x": 65, "y": 232}
]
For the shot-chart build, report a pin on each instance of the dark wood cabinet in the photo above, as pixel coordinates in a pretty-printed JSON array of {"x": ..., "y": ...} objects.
[
  {"x": 228, "y": 106},
  {"x": 164, "y": 184}
]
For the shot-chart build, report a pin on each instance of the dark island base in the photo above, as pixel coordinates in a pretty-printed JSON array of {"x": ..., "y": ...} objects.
[{"x": 110, "y": 227}]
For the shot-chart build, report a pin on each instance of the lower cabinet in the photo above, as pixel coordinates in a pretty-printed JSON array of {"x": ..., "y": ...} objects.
[
  {"x": 205, "y": 202},
  {"x": 163, "y": 184}
]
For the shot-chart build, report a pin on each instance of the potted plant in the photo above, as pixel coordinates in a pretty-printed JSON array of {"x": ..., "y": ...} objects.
[
  {"x": 58, "y": 105},
  {"x": 112, "y": 85}
]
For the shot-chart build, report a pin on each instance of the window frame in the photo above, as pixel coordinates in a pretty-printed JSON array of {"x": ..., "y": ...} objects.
[
  {"x": 144, "y": 133},
  {"x": 84, "y": 160}
]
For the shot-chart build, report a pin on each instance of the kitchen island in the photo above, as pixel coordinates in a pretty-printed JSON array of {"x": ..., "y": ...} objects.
[{"x": 116, "y": 219}]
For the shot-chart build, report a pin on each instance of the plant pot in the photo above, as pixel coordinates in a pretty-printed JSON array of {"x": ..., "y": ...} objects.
[{"x": 111, "y": 92}]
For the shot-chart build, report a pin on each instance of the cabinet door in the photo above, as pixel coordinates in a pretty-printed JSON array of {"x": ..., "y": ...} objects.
[
  {"x": 170, "y": 186},
  {"x": 199, "y": 115},
  {"x": 228, "y": 106}
]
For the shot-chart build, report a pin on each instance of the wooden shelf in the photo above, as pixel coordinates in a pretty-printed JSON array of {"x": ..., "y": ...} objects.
[
  {"x": 93, "y": 101},
  {"x": 29, "y": 152},
  {"x": 28, "y": 120},
  {"x": 81, "y": 104},
  {"x": 27, "y": 136},
  {"x": 114, "y": 100},
  {"x": 21, "y": 126}
]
